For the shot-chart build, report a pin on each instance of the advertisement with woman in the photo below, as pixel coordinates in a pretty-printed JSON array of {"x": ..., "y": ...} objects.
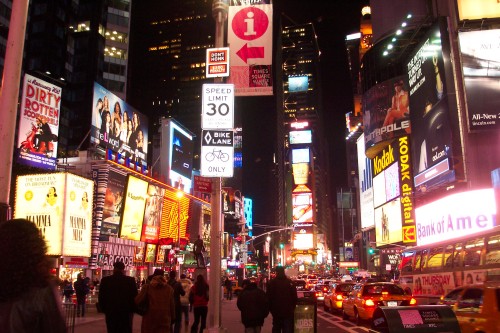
[
  {"x": 113, "y": 205},
  {"x": 119, "y": 127}
]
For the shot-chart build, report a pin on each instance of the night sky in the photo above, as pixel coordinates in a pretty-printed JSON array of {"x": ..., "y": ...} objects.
[{"x": 333, "y": 20}]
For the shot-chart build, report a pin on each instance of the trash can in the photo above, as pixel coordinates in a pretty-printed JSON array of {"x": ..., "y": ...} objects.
[
  {"x": 424, "y": 318},
  {"x": 69, "y": 315},
  {"x": 305, "y": 316}
]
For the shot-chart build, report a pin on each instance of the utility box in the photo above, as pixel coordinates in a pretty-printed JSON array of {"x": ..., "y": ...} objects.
[
  {"x": 305, "y": 316},
  {"x": 425, "y": 318}
]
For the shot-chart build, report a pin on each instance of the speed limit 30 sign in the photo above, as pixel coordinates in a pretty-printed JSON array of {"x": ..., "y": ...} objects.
[{"x": 218, "y": 106}]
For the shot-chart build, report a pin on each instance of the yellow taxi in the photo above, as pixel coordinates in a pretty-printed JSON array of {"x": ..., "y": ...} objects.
[
  {"x": 335, "y": 296},
  {"x": 366, "y": 297},
  {"x": 477, "y": 307}
]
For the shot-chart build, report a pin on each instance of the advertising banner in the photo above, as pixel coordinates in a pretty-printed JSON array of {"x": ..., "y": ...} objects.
[
  {"x": 113, "y": 205},
  {"x": 250, "y": 36},
  {"x": 133, "y": 212},
  {"x": 152, "y": 214},
  {"x": 430, "y": 111},
  {"x": 386, "y": 113},
  {"x": 40, "y": 198},
  {"x": 78, "y": 199},
  {"x": 388, "y": 223},
  {"x": 150, "y": 253},
  {"x": 365, "y": 185},
  {"x": 478, "y": 9},
  {"x": 174, "y": 218},
  {"x": 303, "y": 238},
  {"x": 39, "y": 123},
  {"x": 119, "y": 127},
  {"x": 480, "y": 61},
  {"x": 300, "y": 173},
  {"x": 302, "y": 207},
  {"x": 456, "y": 215}
]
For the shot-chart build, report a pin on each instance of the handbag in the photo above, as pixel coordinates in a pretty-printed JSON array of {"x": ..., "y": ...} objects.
[{"x": 143, "y": 306}]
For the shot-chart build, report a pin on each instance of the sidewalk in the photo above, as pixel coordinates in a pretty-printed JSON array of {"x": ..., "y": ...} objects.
[{"x": 231, "y": 320}]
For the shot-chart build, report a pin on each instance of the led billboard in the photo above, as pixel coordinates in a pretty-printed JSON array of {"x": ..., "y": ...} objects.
[
  {"x": 365, "y": 185},
  {"x": 300, "y": 137},
  {"x": 119, "y": 127},
  {"x": 39, "y": 123},
  {"x": 431, "y": 141},
  {"x": 302, "y": 207},
  {"x": 133, "y": 209},
  {"x": 298, "y": 83},
  {"x": 388, "y": 223},
  {"x": 481, "y": 70},
  {"x": 300, "y": 173},
  {"x": 303, "y": 238},
  {"x": 457, "y": 215},
  {"x": 386, "y": 113},
  {"x": 152, "y": 214},
  {"x": 174, "y": 218},
  {"x": 478, "y": 9},
  {"x": 300, "y": 155}
]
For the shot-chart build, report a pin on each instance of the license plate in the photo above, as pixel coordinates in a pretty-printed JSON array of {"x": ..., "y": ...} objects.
[{"x": 392, "y": 303}]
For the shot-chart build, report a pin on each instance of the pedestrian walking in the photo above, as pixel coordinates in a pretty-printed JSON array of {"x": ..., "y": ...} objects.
[
  {"x": 81, "y": 289},
  {"x": 186, "y": 286},
  {"x": 116, "y": 299},
  {"x": 29, "y": 300},
  {"x": 178, "y": 292},
  {"x": 254, "y": 306},
  {"x": 159, "y": 297},
  {"x": 229, "y": 288},
  {"x": 282, "y": 296},
  {"x": 198, "y": 297}
]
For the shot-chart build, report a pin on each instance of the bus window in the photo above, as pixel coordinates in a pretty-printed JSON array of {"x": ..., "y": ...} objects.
[
  {"x": 457, "y": 255},
  {"x": 407, "y": 261},
  {"x": 417, "y": 261},
  {"x": 425, "y": 257},
  {"x": 473, "y": 249},
  {"x": 435, "y": 258},
  {"x": 493, "y": 251},
  {"x": 448, "y": 256}
]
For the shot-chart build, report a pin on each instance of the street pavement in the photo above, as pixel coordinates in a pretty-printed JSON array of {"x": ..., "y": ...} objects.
[{"x": 230, "y": 320}]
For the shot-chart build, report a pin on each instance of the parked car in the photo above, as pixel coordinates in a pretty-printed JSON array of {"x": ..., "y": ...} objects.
[
  {"x": 365, "y": 298},
  {"x": 477, "y": 307},
  {"x": 335, "y": 295}
]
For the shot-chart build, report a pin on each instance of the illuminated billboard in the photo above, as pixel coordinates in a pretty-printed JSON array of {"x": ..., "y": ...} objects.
[
  {"x": 119, "y": 127},
  {"x": 174, "y": 218},
  {"x": 113, "y": 205},
  {"x": 365, "y": 185},
  {"x": 431, "y": 144},
  {"x": 298, "y": 83},
  {"x": 176, "y": 155},
  {"x": 152, "y": 214},
  {"x": 60, "y": 205},
  {"x": 457, "y": 215},
  {"x": 300, "y": 155},
  {"x": 300, "y": 173},
  {"x": 386, "y": 113},
  {"x": 300, "y": 137},
  {"x": 303, "y": 238},
  {"x": 150, "y": 253},
  {"x": 302, "y": 207},
  {"x": 481, "y": 69},
  {"x": 388, "y": 223},
  {"x": 39, "y": 123},
  {"x": 133, "y": 209},
  {"x": 478, "y": 9}
]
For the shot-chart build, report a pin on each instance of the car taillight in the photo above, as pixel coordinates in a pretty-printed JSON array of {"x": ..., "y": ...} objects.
[
  {"x": 319, "y": 293},
  {"x": 339, "y": 297},
  {"x": 369, "y": 302},
  {"x": 413, "y": 301},
  {"x": 325, "y": 289}
]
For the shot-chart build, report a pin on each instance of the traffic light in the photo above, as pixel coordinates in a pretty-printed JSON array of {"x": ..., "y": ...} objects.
[
  {"x": 282, "y": 245},
  {"x": 371, "y": 250}
]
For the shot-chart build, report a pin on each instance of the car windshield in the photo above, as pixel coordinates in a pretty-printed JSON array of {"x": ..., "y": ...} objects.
[
  {"x": 384, "y": 288},
  {"x": 344, "y": 287}
]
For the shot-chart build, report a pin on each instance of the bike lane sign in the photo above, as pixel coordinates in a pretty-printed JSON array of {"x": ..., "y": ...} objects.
[{"x": 217, "y": 153}]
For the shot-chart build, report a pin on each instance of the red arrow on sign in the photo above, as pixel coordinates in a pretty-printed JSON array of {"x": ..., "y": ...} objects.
[{"x": 250, "y": 52}]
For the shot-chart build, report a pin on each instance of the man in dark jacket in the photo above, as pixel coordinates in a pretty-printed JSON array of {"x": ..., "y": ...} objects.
[
  {"x": 81, "y": 290},
  {"x": 282, "y": 296},
  {"x": 116, "y": 299},
  {"x": 253, "y": 305},
  {"x": 178, "y": 292}
]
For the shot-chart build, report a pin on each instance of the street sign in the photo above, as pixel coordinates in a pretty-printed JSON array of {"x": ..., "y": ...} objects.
[
  {"x": 217, "y": 62},
  {"x": 217, "y": 153},
  {"x": 218, "y": 106}
]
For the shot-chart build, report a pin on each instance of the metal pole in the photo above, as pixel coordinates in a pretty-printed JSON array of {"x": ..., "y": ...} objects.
[
  {"x": 9, "y": 95},
  {"x": 219, "y": 12}
]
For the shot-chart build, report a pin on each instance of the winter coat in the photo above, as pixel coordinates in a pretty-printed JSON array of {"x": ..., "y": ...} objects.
[
  {"x": 178, "y": 292},
  {"x": 161, "y": 309},
  {"x": 282, "y": 296},
  {"x": 116, "y": 295},
  {"x": 198, "y": 300},
  {"x": 38, "y": 310},
  {"x": 186, "y": 286},
  {"x": 253, "y": 305}
]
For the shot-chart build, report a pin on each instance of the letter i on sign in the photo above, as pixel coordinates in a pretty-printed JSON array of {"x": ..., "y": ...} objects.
[{"x": 250, "y": 25}]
